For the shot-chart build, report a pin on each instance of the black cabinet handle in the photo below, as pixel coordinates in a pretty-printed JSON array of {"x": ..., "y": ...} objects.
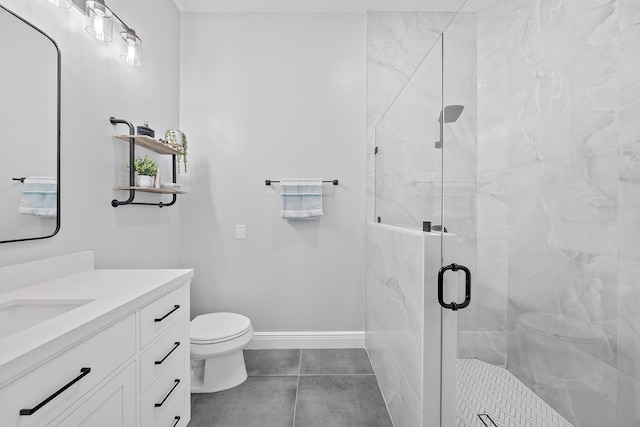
[
  {"x": 175, "y": 307},
  {"x": 177, "y": 421},
  {"x": 467, "y": 288},
  {"x": 175, "y": 345},
  {"x": 177, "y": 381},
  {"x": 84, "y": 372}
]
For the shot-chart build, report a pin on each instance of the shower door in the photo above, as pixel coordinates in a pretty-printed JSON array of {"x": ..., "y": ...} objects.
[
  {"x": 458, "y": 272},
  {"x": 459, "y": 210}
]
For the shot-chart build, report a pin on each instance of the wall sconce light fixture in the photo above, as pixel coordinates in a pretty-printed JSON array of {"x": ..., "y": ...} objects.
[{"x": 100, "y": 26}]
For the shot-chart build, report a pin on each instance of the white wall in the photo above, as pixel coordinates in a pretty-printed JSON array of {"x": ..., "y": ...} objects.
[
  {"x": 270, "y": 96},
  {"x": 96, "y": 85}
]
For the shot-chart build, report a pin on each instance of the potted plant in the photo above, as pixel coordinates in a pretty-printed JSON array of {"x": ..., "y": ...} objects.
[
  {"x": 146, "y": 169},
  {"x": 178, "y": 140}
]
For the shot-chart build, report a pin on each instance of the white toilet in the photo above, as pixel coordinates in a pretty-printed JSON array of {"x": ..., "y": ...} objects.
[{"x": 217, "y": 340}]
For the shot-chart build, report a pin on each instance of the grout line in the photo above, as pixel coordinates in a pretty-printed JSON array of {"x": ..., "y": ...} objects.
[
  {"x": 337, "y": 375},
  {"x": 275, "y": 375},
  {"x": 313, "y": 375},
  {"x": 295, "y": 403}
]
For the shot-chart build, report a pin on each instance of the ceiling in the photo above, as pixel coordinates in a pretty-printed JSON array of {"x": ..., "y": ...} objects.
[{"x": 329, "y": 6}]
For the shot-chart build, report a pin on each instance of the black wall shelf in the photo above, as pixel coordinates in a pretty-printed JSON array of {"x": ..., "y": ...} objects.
[{"x": 155, "y": 146}]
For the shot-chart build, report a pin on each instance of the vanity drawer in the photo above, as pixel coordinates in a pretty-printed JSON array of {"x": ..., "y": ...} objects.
[
  {"x": 161, "y": 354},
  {"x": 157, "y": 317},
  {"x": 176, "y": 415},
  {"x": 44, "y": 391},
  {"x": 163, "y": 393}
]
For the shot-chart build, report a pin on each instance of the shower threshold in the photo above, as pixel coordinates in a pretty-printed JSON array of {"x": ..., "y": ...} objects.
[{"x": 488, "y": 395}]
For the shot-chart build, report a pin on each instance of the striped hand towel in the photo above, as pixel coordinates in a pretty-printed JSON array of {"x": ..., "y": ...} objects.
[
  {"x": 301, "y": 198},
  {"x": 39, "y": 196}
]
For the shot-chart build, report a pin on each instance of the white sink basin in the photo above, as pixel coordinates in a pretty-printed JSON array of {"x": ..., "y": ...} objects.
[{"x": 18, "y": 315}]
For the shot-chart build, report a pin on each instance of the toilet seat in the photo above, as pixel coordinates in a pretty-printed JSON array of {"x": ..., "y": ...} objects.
[{"x": 215, "y": 328}]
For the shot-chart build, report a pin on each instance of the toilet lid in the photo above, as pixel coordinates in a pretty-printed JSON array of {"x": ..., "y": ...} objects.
[
  {"x": 561, "y": 326},
  {"x": 218, "y": 326}
]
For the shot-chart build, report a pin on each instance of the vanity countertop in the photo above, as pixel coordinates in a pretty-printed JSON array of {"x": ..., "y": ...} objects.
[{"x": 114, "y": 293}]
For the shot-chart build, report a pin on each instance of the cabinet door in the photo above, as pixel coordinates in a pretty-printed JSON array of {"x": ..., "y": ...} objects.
[
  {"x": 51, "y": 389},
  {"x": 113, "y": 405}
]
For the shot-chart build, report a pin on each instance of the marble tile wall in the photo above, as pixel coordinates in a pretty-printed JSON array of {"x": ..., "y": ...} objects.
[
  {"x": 492, "y": 247},
  {"x": 558, "y": 195},
  {"x": 394, "y": 318},
  {"x": 629, "y": 215}
]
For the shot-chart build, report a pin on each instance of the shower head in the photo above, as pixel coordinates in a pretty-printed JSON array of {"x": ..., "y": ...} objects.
[{"x": 451, "y": 113}]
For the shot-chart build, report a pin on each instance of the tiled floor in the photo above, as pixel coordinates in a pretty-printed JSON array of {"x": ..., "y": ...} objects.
[
  {"x": 488, "y": 389},
  {"x": 300, "y": 388}
]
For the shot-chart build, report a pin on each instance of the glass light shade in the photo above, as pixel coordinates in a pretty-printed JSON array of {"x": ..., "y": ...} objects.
[
  {"x": 66, "y": 4},
  {"x": 99, "y": 20},
  {"x": 131, "y": 47}
]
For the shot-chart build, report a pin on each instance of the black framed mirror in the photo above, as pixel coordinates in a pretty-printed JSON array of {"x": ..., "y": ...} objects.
[{"x": 30, "y": 125}]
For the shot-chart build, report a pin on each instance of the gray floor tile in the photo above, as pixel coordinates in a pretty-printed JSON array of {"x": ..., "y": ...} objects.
[
  {"x": 258, "y": 402},
  {"x": 342, "y": 361},
  {"x": 272, "y": 362},
  {"x": 340, "y": 400}
]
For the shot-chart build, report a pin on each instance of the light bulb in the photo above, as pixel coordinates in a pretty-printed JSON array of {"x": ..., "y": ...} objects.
[
  {"x": 99, "y": 22},
  {"x": 132, "y": 42}
]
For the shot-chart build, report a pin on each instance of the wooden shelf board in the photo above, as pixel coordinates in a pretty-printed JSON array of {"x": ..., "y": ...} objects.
[
  {"x": 151, "y": 190},
  {"x": 150, "y": 144}
]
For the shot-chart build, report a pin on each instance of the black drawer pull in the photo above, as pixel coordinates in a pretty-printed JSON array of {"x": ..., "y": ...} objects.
[
  {"x": 177, "y": 421},
  {"x": 175, "y": 345},
  {"x": 175, "y": 307},
  {"x": 84, "y": 372},
  {"x": 157, "y": 405}
]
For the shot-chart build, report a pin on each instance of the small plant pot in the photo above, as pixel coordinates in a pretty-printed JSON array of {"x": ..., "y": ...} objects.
[{"x": 144, "y": 181}]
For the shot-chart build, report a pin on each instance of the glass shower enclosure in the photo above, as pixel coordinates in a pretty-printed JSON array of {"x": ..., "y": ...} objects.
[{"x": 512, "y": 144}]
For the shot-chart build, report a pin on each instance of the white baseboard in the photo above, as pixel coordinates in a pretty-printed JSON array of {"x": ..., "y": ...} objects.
[{"x": 325, "y": 339}]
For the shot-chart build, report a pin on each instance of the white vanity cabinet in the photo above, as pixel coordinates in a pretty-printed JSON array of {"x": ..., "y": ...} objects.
[{"x": 126, "y": 367}]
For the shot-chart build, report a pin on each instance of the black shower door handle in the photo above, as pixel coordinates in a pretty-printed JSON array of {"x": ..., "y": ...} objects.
[{"x": 467, "y": 288}]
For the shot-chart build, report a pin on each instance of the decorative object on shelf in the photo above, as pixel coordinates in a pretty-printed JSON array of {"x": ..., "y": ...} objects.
[
  {"x": 100, "y": 26},
  {"x": 178, "y": 140},
  {"x": 147, "y": 169},
  {"x": 145, "y": 130}
]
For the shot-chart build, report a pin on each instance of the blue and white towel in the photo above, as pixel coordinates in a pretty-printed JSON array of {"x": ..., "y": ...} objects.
[
  {"x": 301, "y": 198},
  {"x": 39, "y": 196}
]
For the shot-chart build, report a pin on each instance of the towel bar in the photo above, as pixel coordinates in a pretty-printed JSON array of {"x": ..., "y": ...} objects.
[
  {"x": 269, "y": 181},
  {"x": 19, "y": 179}
]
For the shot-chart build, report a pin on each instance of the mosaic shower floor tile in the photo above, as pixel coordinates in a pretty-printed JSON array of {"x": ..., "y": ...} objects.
[{"x": 488, "y": 389}]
